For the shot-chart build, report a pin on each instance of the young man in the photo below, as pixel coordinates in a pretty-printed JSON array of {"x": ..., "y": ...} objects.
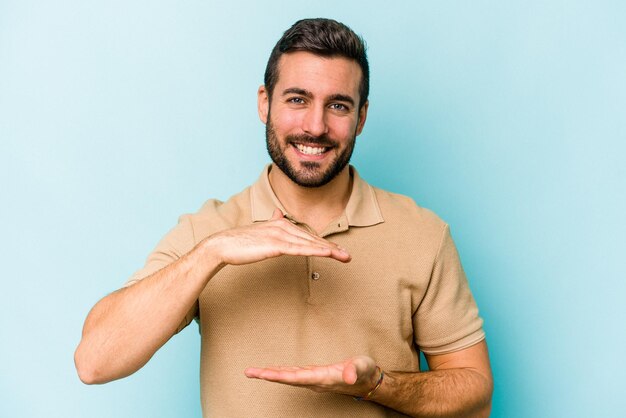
[{"x": 308, "y": 266}]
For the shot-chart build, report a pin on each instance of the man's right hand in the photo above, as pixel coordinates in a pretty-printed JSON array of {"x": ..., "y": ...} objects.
[
  {"x": 127, "y": 327},
  {"x": 278, "y": 236}
]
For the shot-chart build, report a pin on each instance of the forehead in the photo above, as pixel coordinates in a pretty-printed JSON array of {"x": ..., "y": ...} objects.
[{"x": 318, "y": 74}]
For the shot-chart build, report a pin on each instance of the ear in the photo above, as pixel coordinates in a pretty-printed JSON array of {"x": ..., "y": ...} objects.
[
  {"x": 263, "y": 104},
  {"x": 362, "y": 117}
]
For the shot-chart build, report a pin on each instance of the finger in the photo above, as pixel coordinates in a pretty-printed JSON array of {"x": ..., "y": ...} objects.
[
  {"x": 295, "y": 237},
  {"x": 349, "y": 374},
  {"x": 285, "y": 230},
  {"x": 293, "y": 234},
  {"x": 253, "y": 372},
  {"x": 312, "y": 250},
  {"x": 364, "y": 364},
  {"x": 341, "y": 254},
  {"x": 361, "y": 368},
  {"x": 335, "y": 251},
  {"x": 278, "y": 375},
  {"x": 294, "y": 229},
  {"x": 275, "y": 368},
  {"x": 282, "y": 368}
]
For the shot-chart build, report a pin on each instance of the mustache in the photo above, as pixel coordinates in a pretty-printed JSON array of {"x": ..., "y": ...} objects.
[{"x": 322, "y": 140}]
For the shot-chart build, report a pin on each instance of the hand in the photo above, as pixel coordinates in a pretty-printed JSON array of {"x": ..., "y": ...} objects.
[
  {"x": 355, "y": 376},
  {"x": 273, "y": 238}
]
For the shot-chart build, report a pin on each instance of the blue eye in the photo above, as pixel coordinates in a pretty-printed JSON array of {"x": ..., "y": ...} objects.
[{"x": 338, "y": 106}]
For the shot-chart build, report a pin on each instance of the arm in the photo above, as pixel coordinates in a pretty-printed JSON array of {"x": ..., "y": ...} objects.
[
  {"x": 124, "y": 329},
  {"x": 459, "y": 384}
]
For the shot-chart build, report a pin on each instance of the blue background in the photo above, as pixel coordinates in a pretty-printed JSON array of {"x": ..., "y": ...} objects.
[{"x": 508, "y": 119}]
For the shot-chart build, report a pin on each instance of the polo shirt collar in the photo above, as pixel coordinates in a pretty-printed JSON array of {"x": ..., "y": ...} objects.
[{"x": 362, "y": 208}]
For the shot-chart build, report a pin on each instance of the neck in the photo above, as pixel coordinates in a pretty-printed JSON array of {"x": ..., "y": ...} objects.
[{"x": 314, "y": 206}]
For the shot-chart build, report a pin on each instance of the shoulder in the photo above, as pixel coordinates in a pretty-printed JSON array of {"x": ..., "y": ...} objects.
[
  {"x": 400, "y": 209},
  {"x": 216, "y": 215}
]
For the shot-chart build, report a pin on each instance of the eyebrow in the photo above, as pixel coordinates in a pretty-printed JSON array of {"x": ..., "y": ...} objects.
[
  {"x": 296, "y": 90},
  {"x": 341, "y": 98},
  {"x": 306, "y": 93}
]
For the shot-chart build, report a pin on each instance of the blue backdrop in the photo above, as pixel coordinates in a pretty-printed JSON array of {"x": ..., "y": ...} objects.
[{"x": 506, "y": 118}]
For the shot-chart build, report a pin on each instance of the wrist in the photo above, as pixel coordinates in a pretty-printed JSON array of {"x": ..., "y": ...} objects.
[{"x": 209, "y": 255}]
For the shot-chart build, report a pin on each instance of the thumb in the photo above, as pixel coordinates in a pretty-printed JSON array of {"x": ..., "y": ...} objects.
[
  {"x": 277, "y": 215},
  {"x": 349, "y": 373}
]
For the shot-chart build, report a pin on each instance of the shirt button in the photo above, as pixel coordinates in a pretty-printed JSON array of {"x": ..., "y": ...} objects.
[{"x": 315, "y": 276}]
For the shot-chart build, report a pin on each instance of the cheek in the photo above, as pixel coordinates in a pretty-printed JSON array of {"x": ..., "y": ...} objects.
[
  {"x": 286, "y": 124},
  {"x": 342, "y": 129}
]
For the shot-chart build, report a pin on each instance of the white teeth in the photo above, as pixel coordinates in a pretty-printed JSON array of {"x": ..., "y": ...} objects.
[{"x": 310, "y": 150}]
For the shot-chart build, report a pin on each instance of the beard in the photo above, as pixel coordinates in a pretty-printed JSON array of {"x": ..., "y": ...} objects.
[{"x": 309, "y": 173}]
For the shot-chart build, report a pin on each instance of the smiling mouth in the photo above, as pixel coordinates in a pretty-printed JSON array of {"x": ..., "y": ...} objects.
[{"x": 308, "y": 150}]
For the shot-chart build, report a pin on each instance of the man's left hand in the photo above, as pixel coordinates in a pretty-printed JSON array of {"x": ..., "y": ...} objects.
[{"x": 355, "y": 376}]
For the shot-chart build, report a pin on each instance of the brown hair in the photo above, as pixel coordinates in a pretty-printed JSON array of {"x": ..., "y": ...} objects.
[{"x": 325, "y": 37}]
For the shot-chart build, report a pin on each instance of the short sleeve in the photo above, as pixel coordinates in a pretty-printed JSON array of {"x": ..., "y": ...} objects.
[
  {"x": 178, "y": 241},
  {"x": 447, "y": 318}
]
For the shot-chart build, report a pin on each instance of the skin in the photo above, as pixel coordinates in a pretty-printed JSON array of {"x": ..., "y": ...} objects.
[
  {"x": 124, "y": 329},
  {"x": 459, "y": 384},
  {"x": 304, "y": 100},
  {"x": 315, "y": 97}
]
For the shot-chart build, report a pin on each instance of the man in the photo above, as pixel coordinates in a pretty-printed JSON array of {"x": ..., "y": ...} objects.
[{"x": 308, "y": 266}]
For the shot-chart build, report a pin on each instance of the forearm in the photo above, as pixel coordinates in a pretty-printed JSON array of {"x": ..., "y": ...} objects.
[
  {"x": 440, "y": 393},
  {"x": 124, "y": 329}
]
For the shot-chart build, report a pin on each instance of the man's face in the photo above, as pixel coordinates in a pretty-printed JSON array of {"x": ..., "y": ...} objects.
[{"x": 313, "y": 118}]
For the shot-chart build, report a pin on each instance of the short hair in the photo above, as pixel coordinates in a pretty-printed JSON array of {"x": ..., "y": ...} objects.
[{"x": 324, "y": 37}]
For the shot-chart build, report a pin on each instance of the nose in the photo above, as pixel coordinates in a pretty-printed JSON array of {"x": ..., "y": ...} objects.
[{"x": 314, "y": 121}]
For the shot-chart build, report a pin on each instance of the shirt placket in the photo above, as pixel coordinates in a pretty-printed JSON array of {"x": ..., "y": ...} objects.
[{"x": 317, "y": 276}]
